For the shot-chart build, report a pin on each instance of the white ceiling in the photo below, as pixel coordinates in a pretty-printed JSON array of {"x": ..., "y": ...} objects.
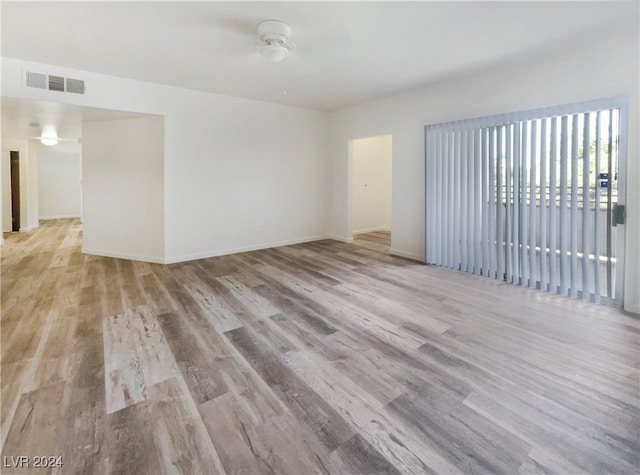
[{"x": 346, "y": 52}]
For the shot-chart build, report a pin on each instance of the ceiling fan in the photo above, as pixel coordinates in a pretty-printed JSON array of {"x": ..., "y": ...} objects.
[
  {"x": 316, "y": 42},
  {"x": 274, "y": 35}
]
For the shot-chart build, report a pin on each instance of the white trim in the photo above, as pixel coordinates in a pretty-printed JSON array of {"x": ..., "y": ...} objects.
[
  {"x": 29, "y": 228},
  {"x": 407, "y": 255},
  {"x": 348, "y": 240},
  {"x": 372, "y": 230},
  {"x": 62, "y": 216},
  {"x": 633, "y": 309},
  {"x": 118, "y": 255},
  {"x": 236, "y": 250}
]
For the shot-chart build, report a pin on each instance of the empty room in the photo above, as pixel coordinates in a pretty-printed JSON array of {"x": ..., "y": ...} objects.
[{"x": 320, "y": 237}]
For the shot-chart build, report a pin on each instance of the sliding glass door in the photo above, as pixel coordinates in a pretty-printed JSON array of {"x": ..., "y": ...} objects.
[{"x": 534, "y": 198}]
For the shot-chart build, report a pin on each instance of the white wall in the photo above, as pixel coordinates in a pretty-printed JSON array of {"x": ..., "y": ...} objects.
[
  {"x": 556, "y": 76},
  {"x": 238, "y": 173},
  {"x": 371, "y": 184},
  {"x": 244, "y": 175},
  {"x": 123, "y": 212},
  {"x": 35, "y": 147},
  {"x": 59, "y": 185}
]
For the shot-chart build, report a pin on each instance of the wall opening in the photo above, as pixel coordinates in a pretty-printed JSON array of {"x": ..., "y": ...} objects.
[
  {"x": 11, "y": 215},
  {"x": 370, "y": 191},
  {"x": 126, "y": 185},
  {"x": 14, "y": 158}
]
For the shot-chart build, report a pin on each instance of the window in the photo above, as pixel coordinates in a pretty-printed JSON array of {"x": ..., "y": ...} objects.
[{"x": 530, "y": 197}]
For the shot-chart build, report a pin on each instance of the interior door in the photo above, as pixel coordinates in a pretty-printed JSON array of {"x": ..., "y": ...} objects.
[{"x": 15, "y": 190}]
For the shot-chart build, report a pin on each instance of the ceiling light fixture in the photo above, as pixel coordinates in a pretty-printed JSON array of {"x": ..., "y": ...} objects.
[
  {"x": 274, "y": 52},
  {"x": 274, "y": 35},
  {"x": 49, "y": 141},
  {"x": 49, "y": 135}
]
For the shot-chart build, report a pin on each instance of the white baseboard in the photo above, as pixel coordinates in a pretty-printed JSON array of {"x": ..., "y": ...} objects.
[
  {"x": 372, "y": 230},
  {"x": 633, "y": 309},
  {"x": 29, "y": 228},
  {"x": 408, "y": 255},
  {"x": 62, "y": 216},
  {"x": 119, "y": 255},
  {"x": 236, "y": 250},
  {"x": 340, "y": 238}
]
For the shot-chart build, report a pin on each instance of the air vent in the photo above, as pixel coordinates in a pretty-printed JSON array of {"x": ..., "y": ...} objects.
[
  {"x": 56, "y": 83},
  {"x": 75, "y": 86},
  {"x": 36, "y": 80}
]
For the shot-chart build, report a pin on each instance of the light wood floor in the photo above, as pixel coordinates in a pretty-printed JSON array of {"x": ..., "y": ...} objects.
[
  {"x": 378, "y": 241},
  {"x": 315, "y": 358}
]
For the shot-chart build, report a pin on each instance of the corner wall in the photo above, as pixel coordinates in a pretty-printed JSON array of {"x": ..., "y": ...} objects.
[
  {"x": 242, "y": 175},
  {"x": 123, "y": 211},
  {"x": 555, "y": 77}
]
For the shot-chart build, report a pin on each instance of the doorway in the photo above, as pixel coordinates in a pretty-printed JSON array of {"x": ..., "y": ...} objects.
[
  {"x": 14, "y": 158},
  {"x": 370, "y": 191},
  {"x": 11, "y": 218}
]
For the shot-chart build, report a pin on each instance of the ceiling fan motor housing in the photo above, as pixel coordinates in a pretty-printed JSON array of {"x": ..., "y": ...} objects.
[
  {"x": 274, "y": 31},
  {"x": 275, "y": 36}
]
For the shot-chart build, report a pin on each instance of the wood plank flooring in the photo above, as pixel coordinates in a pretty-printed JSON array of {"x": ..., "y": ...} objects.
[
  {"x": 314, "y": 358},
  {"x": 377, "y": 240}
]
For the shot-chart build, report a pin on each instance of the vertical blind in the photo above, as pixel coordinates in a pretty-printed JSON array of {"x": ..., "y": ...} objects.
[{"x": 528, "y": 197}]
